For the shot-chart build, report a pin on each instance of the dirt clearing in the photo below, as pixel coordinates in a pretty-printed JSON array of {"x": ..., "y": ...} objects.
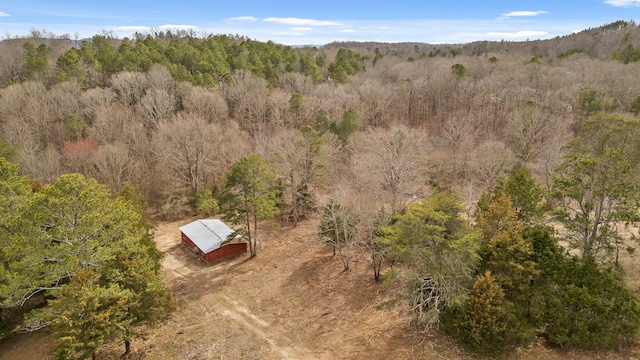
[{"x": 292, "y": 301}]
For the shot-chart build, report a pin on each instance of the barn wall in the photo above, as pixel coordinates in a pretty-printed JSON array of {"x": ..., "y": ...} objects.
[
  {"x": 188, "y": 242},
  {"x": 225, "y": 251}
]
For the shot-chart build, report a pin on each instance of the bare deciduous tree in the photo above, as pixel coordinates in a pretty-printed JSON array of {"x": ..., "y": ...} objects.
[
  {"x": 246, "y": 96},
  {"x": 388, "y": 164},
  {"x": 156, "y": 107},
  {"x": 159, "y": 78},
  {"x": 11, "y": 53},
  {"x": 372, "y": 217},
  {"x": 527, "y": 132},
  {"x": 338, "y": 227},
  {"x": 129, "y": 87},
  {"x": 299, "y": 157},
  {"x": 491, "y": 159},
  {"x": 203, "y": 102},
  {"x": 457, "y": 134},
  {"x": 92, "y": 100},
  {"x": 196, "y": 152},
  {"x": 113, "y": 122},
  {"x": 112, "y": 166},
  {"x": 187, "y": 146}
]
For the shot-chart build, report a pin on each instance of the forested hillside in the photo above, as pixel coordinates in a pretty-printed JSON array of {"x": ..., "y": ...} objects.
[{"x": 480, "y": 147}]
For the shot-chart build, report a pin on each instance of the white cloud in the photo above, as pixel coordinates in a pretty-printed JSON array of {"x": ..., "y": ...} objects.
[
  {"x": 623, "y": 3},
  {"x": 242, "y": 19},
  {"x": 347, "y": 31},
  {"x": 131, "y": 28},
  {"x": 301, "y": 22},
  {"x": 301, "y": 29},
  {"x": 2, "y": 13},
  {"x": 518, "y": 34},
  {"x": 524, "y": 13},
  {"x": 178, "y": 27}
]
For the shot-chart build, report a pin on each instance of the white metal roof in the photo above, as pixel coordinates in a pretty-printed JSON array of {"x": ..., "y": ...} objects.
[{"x": 207, "y": 234}]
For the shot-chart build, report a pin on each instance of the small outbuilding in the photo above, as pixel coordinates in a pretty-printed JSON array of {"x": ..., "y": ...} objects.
[{"x": 209, "y": 238}]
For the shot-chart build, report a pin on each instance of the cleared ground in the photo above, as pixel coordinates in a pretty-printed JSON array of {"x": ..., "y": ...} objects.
[{"x": 292, "y": 301}]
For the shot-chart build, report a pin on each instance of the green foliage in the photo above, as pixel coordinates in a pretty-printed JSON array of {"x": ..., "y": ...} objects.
[
  {"x": 91, "y": 254},
  {"x": 201, "y": 61},
  {"x": 312, "y": 146},
  {"x": 500, "y": 216},
  {"x": 573, "y": 302},
  {"x": 634, "y": 108},
  {"x": 570, "y": 52},
  {"x": 507, "y": 254},
  {"x": 604, "y": 189},
  {"x": 433, "y": 239},
  {"x": 348, "y": 125},
  {"x": 483, "y": 323},
  {"x": 71, "y": 224},
  {"x": 76, "y": 127},
  {"x": 458, "y": 70},
  {"x": 296, "y": 104},
  {"x": 589, "y": 307},
  {"x": 535, "y": 59},
  {"x": 525, "y": 195},
  {"x": 455, "y": 52},
  {"x": 86, "y": 315},
  {"x": 249, "y": 194},
  {"x": 626, "y": 53},
  {"x": 595, "y": 188},
  {"x": 606, "y": 131},
  {"x": 69, "y": 66},
  {"x": 504, "y": 251},
  {"x": 6, "y": 151},
  {"x": 321, "y": 123},
  {"x": 206, "y": 203},
  {"x": 15, "y": 190},
  {"x": 583, "y": 304},
  {"x": 321, "y": 60},
  {"x": 347, "y": 63},
  {"x": 589, "y": 102},
  {"x": 302, "y": 167},
  {"x": 34, "y": 61}
]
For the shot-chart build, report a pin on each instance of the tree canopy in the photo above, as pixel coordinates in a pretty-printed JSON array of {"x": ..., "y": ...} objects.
[
  {"x": 433, "y": 238},
  {"x": 249, "y": 195},
  {"x": 90, "y": 253},
  {"x": 596, "y": 185}
]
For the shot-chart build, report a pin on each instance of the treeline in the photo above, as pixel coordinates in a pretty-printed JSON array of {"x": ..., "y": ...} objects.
[
  {"x": 600, "y": 42},
  {"x": 476, "y": 118},
  {"x": 200, "y": 61}
]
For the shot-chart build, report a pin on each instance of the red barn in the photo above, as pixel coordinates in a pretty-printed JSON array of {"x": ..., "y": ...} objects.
[{"x": 209, "y": 239}]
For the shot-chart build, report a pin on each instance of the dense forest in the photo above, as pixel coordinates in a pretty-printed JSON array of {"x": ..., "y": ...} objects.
[{"x": 503, "y": 176}]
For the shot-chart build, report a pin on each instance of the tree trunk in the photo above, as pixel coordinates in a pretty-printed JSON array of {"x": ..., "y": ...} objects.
[
  {"x": 252, "y": 251},
  {"x": 127, "y": 347},
  {"x": 294, "y": 199},
  {"x": 255, "y": 234},
  {"x": 377, "y": 265}
]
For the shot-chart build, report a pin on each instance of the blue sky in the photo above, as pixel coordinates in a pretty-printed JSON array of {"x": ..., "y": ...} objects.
[{"x": 317, "y": 22}]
